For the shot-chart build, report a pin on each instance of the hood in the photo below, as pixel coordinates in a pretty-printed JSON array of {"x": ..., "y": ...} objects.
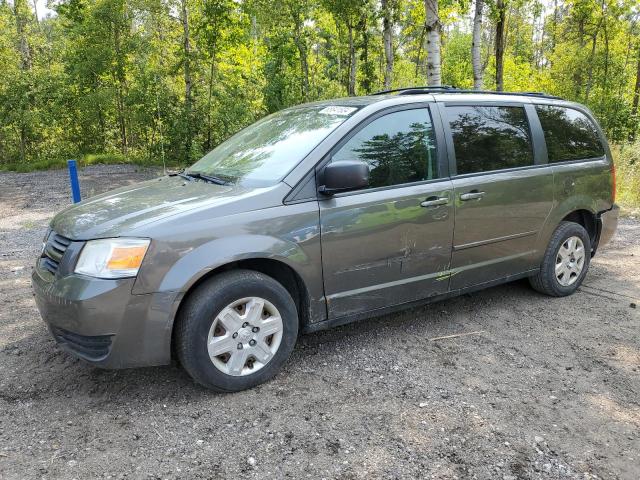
[{"x": 120, "y": 212}]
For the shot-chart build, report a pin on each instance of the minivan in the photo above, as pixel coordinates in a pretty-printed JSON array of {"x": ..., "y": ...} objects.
[{"x": 323, "y": 214}]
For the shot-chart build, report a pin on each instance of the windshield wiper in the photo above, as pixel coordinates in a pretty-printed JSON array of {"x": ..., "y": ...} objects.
[{"x": 205, "y": 177}]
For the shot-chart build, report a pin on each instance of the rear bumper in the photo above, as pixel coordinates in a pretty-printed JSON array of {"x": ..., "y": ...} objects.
[
  {"x": 101, "y": 322},
  {"x": 608, "y": 224}
]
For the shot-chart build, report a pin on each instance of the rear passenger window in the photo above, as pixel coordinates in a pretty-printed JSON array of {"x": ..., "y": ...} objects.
[
  {"x": 487, "y": 138},
  {"x": 399, "y": 148},
  {"x": 569, "y": 134}
]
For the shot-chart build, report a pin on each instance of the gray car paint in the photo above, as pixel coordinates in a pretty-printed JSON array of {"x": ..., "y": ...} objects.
[
  {"x": 127, "y": 210},
  {"x": 197, "y": 227}
]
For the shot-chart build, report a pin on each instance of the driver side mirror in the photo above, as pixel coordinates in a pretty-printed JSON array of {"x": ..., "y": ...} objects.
[{"x": 343, "y": 176}]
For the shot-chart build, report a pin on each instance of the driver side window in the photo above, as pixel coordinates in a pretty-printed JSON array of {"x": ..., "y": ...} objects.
[{"x": 400, "y": 147}]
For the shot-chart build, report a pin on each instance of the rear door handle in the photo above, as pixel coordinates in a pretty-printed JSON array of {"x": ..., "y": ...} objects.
[
  {"x": 471, "y": 196},
  {"x": 434, "y": 201}
]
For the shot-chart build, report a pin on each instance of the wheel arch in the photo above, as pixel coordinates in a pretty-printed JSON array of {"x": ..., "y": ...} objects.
[
  {"x": 588, "y": 220},
  {"x": 277, "y": 269},
  {"x": 274, "y": 268},
  {"x": 578, "y": 209}
]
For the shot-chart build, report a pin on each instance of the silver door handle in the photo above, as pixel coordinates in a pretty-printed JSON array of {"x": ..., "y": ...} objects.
[
  {"x": 471, "y": 196},
  {"x": 435, "y": 202}
]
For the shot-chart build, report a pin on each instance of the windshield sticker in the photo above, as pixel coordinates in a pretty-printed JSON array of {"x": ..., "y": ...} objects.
[{"x": 336, "y": 110}]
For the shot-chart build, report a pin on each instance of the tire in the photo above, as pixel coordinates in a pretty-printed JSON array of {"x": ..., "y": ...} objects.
[
  {"x": 546, "y": 280},
  {"x": 211, "y": 314}
]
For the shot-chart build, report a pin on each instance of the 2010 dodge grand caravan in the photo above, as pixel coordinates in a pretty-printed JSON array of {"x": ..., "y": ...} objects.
[{"x": 322, "y": 214}]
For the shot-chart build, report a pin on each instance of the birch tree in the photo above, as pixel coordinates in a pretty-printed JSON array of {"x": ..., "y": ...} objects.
[
  {"x": 388, "y": 7},
  {"x": 433, "y": 27},
  {"x": 500, "y": 43},
  {"x": 476, "y": 40}
]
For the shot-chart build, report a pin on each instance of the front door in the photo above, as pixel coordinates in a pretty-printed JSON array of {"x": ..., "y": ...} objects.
[
  {"x": 502, "y": 195},
  {"x": 390, "y": 243}
]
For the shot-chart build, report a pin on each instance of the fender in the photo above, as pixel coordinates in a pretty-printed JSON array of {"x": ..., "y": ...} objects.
[
  {"x": 569, "y": 196},
  {"x": 192, "y": 267},
  {"x": 302, "y": 257}
]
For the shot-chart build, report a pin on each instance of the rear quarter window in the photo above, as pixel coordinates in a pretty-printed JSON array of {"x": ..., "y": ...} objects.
[{"x": 569, "y": 133}]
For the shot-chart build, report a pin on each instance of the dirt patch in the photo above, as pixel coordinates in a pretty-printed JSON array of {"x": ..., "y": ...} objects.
[{"x": 548, "y": 388}]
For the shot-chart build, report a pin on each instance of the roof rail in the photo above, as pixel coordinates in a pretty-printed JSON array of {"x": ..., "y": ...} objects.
[
  {"x": 417, "y": 90},
  {"x": 451, "y": 89}
]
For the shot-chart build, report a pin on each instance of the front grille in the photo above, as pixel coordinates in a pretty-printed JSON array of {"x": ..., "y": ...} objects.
[
  {"x": 93, "y": 347},
  {"x": 54, "y": 251}
]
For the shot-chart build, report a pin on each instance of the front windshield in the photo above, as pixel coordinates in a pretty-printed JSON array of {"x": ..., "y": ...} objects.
[{"x": 262, "y": 154}]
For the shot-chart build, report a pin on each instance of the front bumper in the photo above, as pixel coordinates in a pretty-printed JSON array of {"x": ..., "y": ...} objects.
[
  {"x": 609, "y": 224},
  {"x": 101, "y": 322}
]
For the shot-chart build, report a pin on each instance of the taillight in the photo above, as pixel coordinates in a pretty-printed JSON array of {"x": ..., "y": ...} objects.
[{"x": 613, "y": 182}]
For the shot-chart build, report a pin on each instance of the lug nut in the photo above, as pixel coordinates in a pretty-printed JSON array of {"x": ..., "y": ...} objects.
[
  {"x": 239, "y": 346},
  {"x": 245, "y": 324},
  {"x": 235, "y": 335},
  {"x": 252, "y": 342},
  {"x": 255, "y": 329}
]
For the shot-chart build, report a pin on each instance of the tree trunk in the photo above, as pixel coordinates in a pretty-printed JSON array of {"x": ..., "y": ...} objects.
[
  {"x": 500, "y": 41},
  {"x": 351, "y": 89},
  {"x": 554, "y": 25},
  {"x": 594, "y": 41},
  {"x": 187, "y": 77},
  {"x": 122, "y": 124},
  {"x": 387, "y": 35},
  {"x": 577, "y": 75},
  {"x": 35, "y": 12},
  {"x": 636, "y": 99},
  {"x": 476, "y": 40},
  {"x": 433, "y": 27},
  {"x": 419, "y": 55},
  {"x": 119, "y": 79},
  {"x": 367, "y": 69},
  {"x": 212, "y": 76},
  {"x": 301, "y": 45},
  {"x": 304, "y": 66},
  {"x": 21, "y": 13}
]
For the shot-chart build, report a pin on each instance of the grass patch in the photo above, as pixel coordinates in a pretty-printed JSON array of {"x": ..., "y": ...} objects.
[
  {"x": 83, "y": 161},
  {"x": 32, "y": 166}
]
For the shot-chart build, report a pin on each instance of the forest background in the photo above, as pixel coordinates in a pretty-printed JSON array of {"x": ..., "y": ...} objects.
[{"x": 165, "y": 81}]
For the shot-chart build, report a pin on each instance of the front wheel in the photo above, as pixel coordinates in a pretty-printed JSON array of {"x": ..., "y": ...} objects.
[
  {"x": 565, "y": 262},
  {"x": 236, "y": 330}
]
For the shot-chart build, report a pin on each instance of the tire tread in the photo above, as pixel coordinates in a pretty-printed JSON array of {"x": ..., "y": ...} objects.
[
  {"x": 544, "y": 281},
  {"x": 210, "y": 291}
]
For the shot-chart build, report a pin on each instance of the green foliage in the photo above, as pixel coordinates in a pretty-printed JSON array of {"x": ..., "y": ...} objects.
[
  {"x": 627, "y": 159},
  {"x": 109, "y": 80}
]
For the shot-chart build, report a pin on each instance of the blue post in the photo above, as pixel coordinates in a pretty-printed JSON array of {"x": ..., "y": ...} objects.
[{"x": 73, "y": 177}]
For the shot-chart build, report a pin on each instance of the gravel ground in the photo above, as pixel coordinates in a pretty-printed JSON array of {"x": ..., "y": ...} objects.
[{"x": 545, "y": 388}]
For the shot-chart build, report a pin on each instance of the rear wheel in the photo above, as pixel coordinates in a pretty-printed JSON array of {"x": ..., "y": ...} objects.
[
  {"x": 236, "y": 330},
  {"x": 565, "y": 261}
]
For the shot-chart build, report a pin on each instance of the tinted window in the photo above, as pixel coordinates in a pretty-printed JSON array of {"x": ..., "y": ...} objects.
[
  {"x": 489, "y": 138},
  {"x": 569, "y": 134},
  {"x": 399, "y": 148}
]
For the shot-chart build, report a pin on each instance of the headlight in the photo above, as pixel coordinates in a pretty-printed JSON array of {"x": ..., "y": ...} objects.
[{"x": 112, "y": 257}]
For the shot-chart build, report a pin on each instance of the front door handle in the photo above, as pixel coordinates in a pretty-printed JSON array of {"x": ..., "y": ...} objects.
[
  {"x": 473, "y": 195},
  {"x": 434, "y": 202}
]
